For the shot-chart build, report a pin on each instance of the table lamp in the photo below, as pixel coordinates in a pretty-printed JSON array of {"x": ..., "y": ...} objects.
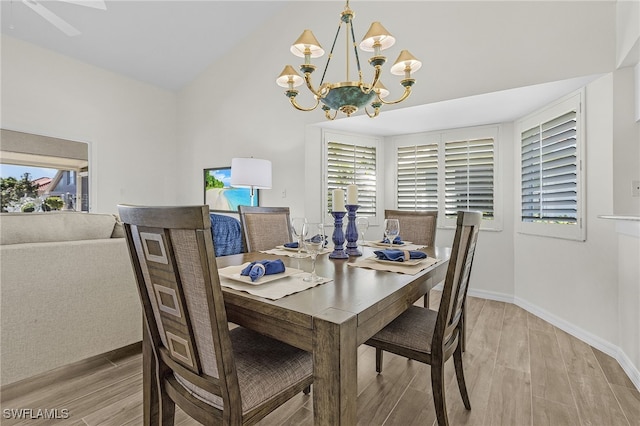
[{"x": 252, "y": 173}]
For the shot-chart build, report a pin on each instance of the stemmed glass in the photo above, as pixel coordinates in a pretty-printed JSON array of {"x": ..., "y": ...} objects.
[
  {"x": 362, "y": 223},
  {"x": 391, "y": 230},
  {"x": 313, "y": 243},
  {"x": 298, "y": 230}
]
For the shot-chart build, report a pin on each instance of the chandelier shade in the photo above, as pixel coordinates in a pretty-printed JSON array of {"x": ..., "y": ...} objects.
[
  {"x": 354, "y": 93},
  {"x": 406, "y": 61},
  {"x": 307, "y": 42},
  {"x": 289, "y": 75},
  {"x": 377, "y": 35}
]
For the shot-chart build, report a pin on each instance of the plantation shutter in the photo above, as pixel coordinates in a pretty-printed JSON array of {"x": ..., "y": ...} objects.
[
  {"x": 417, "y": 175},
  {"x": 549, "y": 168},
  {"x": 353, "y": 164},
  {"x": 469, "y": 171}
]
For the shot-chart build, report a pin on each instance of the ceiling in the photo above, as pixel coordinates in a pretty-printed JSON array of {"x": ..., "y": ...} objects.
[
  {"x": 164, "y": 43},
  {"x": 169, "y": 43}
]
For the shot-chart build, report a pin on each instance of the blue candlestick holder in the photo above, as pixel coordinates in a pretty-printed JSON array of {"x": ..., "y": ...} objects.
[
  {"x": 338, "y": 237},
  {"x": 352, "y": 231}
]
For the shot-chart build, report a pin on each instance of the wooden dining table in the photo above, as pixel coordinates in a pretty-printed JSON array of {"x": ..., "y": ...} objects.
[{"x": 330, "y": 320}]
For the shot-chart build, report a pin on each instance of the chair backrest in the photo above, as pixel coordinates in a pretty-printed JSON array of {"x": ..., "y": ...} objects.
[
  {"x": 456, "y": 282},
  {"x": 173, "y": 259},
  {"x": 263, "y": 228},
  {"x": 419, "y": 227}
]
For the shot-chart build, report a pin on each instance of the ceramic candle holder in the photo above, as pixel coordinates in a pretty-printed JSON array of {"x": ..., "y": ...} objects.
[
  {"x": 352, "y": 231},
  {"x": 338, "y": 237}
]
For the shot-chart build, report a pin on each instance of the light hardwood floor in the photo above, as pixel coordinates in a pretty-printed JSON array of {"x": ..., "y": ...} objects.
[{"x": 520, "y": 370}]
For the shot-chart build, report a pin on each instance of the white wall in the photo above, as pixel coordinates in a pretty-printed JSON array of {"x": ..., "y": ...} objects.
[
  {"x": 577, "y": 281},
  {"x": 626, "y": 144},
  {"x": 130, "y": 126},
  {"x": 627, "y": 32}
]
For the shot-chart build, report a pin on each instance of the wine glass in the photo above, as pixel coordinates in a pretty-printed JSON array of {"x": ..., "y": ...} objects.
[
  {"x": 314, "y": 243},
  {"x": 362, "y": 223},
  {"x": 391, "y": 230},
  {"x": 298, "y": 230}
]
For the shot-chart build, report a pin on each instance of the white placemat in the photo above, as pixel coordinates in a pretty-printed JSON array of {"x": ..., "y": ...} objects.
[
  {"x": 395, "y": 266},
  {"x": 275, "y": 289},
  {"x": 292, "y": 253},
  {"x": 378, "y": 246}
]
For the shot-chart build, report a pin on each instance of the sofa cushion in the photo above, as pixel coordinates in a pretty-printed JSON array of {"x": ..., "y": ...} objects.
[{"x": 19, "y": 228}]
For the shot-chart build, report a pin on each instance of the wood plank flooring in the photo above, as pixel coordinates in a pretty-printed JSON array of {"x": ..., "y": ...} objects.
[{"x": 520, "y": 370}]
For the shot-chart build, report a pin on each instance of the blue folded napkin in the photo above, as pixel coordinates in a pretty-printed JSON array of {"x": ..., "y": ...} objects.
[
  {"x": 317, "y": 238},
  {"x": 396, "y": 240},
  {"x": 291, "y": 245},
  {"x": 263, "y": 267},
  {"x": 399, "y": 255}
]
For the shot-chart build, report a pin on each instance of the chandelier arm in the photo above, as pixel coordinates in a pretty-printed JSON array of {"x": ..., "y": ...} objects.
[
  {"x": 326, "y": 67},
  {"x": 317, "y": 93},
  {"x": 299, "y": 108},
  {"x": 329, "y": 117},
  {"x": 376, "y": 111},
  {"x": 405, "y": 95},
  {"x": 376, "y": 77}
]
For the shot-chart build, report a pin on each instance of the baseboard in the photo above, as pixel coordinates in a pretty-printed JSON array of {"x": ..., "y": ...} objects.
[
  {"x": 12, "y": 390},
  {"x": 591, "y": 339}
]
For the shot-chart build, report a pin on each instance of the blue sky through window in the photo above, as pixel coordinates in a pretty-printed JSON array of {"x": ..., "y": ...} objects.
[{"x": 11, "y": 170}]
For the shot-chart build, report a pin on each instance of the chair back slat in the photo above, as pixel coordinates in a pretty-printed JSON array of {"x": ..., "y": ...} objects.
[
  {"x": 164, "y": 291},
  {"x": 180, "y": 290},
  {"x": 264, "y": 228},
  {"x": 457, "y": 280},
  {"x": 419, "y": 227}
]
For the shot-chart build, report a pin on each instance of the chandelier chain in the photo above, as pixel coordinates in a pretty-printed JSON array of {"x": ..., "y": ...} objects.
[
  {"x": 331, "y": 53},
  {"x": 355, "y": 49}
]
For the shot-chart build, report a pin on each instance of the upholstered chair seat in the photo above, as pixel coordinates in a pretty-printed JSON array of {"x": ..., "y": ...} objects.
[{"x": 264, "y": 368}]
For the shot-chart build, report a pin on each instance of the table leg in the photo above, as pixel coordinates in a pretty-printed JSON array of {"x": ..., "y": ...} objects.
[{"x": 335, "y": 362}]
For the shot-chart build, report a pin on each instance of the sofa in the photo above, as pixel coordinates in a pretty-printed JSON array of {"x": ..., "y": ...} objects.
[{"x": 67, "y": 291}]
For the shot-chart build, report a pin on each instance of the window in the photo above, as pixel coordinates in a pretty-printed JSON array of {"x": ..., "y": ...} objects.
[
  {"x": 449, "y": 171},
  {"x": 57, "y": 173},
  {"x": 417, "y": 177},
  {"x": 352, "y": 160},
  {"x": 550, "y": 142},
  {"x": 468, "y": 180}
]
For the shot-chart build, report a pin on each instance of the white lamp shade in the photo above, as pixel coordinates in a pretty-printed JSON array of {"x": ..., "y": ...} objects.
[{"x": 250, "y": 173}]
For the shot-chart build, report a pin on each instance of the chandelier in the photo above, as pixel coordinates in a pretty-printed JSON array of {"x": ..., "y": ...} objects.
[{"x": 348, "y": 96}]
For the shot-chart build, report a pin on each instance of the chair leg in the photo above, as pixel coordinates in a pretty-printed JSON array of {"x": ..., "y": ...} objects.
[
  {"x": 457, "y": 361},
  {"x": 307, "y": 390},
  {"x": 167, "y": 409},
  {"x": 437, "y": 385},
  {"x": 378, "y": 360},
  {"x": 463, "y": 330}
]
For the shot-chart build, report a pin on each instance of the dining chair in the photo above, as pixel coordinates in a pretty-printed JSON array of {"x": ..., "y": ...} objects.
[
  {"x": 419, "y": 227},
  {"x": 214, "y": 374},
  {"x": 432, "y": 337},
  {"x": 263, "y": 228}
]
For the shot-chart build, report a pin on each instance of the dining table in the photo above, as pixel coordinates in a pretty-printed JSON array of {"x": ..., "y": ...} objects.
[{"x": 329, "y": 320}]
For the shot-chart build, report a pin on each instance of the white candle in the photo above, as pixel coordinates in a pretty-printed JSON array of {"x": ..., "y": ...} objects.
[
  {"x": 352, "y": 195},
  {"x": 338, "y": 200}
]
